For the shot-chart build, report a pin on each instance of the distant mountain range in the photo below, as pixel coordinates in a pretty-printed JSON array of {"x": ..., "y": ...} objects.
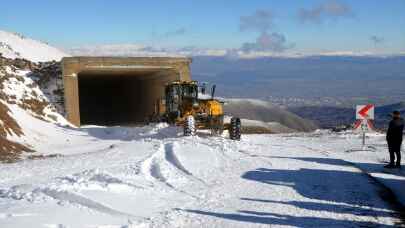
[
  {"x": 382, "y": 113},
  {"x": 328, "y": 117},
  {"x": 330, "y": 80},
  {"x": 136, "y": 49}
]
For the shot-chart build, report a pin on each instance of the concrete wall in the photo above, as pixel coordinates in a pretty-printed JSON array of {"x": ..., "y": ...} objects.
[{"x": 154, "y": 72}]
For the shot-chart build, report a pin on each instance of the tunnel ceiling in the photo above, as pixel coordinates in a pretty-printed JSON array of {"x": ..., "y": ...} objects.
[{"x": 141, "y": 74}]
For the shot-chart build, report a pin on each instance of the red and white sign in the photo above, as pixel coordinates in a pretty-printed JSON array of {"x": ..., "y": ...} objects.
[
  {"x": 364, "y": 125},
  {"x": 365, "y": 112},
  {"x": 365, "y": 117}
]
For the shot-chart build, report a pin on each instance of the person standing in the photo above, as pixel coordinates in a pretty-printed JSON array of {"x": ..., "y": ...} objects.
[{"x": 394, "y": 139}]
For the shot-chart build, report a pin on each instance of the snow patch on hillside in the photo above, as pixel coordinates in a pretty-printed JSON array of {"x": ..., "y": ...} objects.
[
  {"x": 22, "y": 90},
  {"x": 13, "y": 45}
]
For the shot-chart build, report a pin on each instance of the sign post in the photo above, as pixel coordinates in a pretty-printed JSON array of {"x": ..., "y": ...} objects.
[
  {"x": 364, "y": 116},
  {"x": 364, "y": 129}
]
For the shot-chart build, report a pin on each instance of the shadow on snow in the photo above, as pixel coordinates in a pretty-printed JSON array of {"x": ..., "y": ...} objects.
[
  {"x": 351, "y": 193},
  {"x": 279, "y": 219}
]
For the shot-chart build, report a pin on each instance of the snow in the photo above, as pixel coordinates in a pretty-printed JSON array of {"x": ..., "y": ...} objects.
[
  {"x": 205, "y": 96},
  {"x": 153, "y": 177},
  {"x": 274, "y": 127},
  {"x": 17, "y": 88},
  {"x": 21, "y": 87},
  {"x": 13, "y": 45}
]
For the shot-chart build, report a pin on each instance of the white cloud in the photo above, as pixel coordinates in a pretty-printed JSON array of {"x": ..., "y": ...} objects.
[{"x": 329, "y": 10}]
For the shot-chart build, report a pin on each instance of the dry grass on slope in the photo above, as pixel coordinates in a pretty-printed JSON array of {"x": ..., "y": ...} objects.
[{"x": 9, "y": 151}]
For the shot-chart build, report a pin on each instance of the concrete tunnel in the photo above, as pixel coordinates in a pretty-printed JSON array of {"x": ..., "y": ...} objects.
[{"x": 117, "y": 91}]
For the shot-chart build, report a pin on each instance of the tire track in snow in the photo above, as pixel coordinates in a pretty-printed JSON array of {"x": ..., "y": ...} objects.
[
  {"x": 172, "y": 158},
  {"x": 95, "y": 177},
  {"x": 151, "y": 167},
  {"x": 83, "y": 201},
  {"x": 255, "y": 156},
  {"x": 156, "y": 173},
  {"x": 221, "y": 146}
]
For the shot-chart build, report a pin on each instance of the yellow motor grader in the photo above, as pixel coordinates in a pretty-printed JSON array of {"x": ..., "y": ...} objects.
[{"x": 185, "y": 106}]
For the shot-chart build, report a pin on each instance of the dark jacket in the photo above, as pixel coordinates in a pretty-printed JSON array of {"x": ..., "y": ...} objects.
[{"x": 395, "y": 130}]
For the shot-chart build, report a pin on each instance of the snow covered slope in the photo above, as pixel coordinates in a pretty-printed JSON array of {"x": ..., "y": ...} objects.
[
  {"x": 20, "y": 92},
  {"x": 152, "y": 177},
  {"x": 13, "y": 45},
  {"x": 254, "y": 109}
]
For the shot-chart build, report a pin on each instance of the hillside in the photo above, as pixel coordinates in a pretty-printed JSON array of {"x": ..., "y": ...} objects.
[
  {"x": 24, "y": 87},
  {"x": 13, "y": 45},
  {"x": 383, "y": 111},
  {"x": 266, "y": 112}
]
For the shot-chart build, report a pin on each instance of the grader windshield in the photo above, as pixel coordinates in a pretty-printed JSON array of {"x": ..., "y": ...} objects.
[
  {"x": 190, "y": 91},
  {"x": 177, "y": 92}
]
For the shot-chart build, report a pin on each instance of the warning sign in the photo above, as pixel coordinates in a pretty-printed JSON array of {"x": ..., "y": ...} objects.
[
  {"x": 364, "y": 123},
  {"x": 365, "y": 112},
  {"x": 365, "y": 117}
]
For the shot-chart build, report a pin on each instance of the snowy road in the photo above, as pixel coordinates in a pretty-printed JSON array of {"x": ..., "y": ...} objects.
[
  {"x": 283, "y": 182},
  {"x": 149, "y": 177}
]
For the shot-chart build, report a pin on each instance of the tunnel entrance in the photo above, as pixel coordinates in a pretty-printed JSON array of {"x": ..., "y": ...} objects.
[
  {"x": 110, "y": 91},
  {"x": 108, "y": 99}
]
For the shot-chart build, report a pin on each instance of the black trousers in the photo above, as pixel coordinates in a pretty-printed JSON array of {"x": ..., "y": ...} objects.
[{"x": 395, "y": 151}]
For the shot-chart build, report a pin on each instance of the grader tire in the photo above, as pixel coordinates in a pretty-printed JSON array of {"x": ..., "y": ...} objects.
[
  {"x": 235, "y": 128},
  {"x": 189, "y": 126},
  {"x": 217, "y": 125}
]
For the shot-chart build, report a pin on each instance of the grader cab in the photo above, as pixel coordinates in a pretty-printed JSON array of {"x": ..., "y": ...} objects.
[{"x": 186, "y": 107}]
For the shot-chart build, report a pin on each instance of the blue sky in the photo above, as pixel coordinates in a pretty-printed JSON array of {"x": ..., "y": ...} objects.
[{"x": 213, "y": 23}]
